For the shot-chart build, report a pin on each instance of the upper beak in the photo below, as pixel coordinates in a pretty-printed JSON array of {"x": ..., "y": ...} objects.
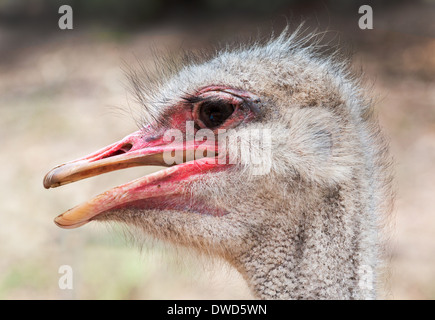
[
  {"x": 137, "y": 149},
  {"x": 131, "y": 151}
]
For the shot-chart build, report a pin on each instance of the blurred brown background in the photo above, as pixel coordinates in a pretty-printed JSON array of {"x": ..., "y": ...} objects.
[{"x": 63, "y": 94}]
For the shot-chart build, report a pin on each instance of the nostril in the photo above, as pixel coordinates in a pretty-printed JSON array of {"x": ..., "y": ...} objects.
[{"x": 124, "y": 149}]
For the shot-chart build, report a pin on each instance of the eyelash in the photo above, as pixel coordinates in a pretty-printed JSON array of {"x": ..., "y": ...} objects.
[{"x": 192, "y": 100}]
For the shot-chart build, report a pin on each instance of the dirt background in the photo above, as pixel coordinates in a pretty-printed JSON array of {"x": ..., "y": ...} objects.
[{"x": 63, "y": 94}]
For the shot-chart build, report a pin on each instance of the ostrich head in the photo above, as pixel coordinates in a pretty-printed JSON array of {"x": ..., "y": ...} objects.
[{"x": 273, "y": 160}]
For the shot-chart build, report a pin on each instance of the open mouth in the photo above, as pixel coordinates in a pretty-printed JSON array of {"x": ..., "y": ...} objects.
[
  {"x": 209, "y": 110},
  {"x": 163, "y": 189}
]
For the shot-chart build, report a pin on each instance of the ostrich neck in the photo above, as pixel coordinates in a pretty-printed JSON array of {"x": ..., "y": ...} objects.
[{"x": 327, "y": 254}]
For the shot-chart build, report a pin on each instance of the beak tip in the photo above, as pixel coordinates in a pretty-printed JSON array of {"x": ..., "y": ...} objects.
[
  {"x": 55, "y": 220},
  {"x": 66, "y": 224},
  {"x": 48, "y": 180},
  {"x": 52, "y": 179}
]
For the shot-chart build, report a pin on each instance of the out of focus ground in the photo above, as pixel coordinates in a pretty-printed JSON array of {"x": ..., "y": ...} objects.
[{"x": 63, "y": 95}]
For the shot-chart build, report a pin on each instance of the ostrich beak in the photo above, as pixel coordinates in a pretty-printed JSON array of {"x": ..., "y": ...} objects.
[{"x": 138, "y": 149}]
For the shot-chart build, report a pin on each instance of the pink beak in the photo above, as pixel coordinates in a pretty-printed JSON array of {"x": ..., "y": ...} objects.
[{"x": 138, "y": 149}]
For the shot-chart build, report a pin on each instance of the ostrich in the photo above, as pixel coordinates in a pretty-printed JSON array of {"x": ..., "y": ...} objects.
[{"x": 305, "y": 222}]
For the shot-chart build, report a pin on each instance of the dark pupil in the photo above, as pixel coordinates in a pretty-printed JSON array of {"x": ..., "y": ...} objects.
[{"x": 214, "y": 113}]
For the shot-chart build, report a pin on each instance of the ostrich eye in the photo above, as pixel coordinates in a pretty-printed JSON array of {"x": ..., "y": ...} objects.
[{"x": 214, "y": 113}]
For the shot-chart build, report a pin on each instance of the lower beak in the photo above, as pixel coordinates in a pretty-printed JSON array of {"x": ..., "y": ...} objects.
[{"x": 137, "y": 149}]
